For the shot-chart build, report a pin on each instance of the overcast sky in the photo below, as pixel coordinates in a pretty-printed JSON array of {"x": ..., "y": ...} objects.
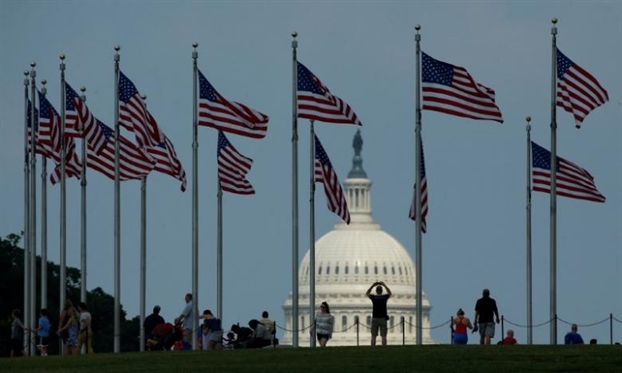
[{"x": 364, "y": 52}]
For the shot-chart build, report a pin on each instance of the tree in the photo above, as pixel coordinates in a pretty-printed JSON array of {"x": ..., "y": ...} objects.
[{"x": 101, "y": 304}]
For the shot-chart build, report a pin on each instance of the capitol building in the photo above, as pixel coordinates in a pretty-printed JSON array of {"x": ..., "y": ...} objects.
[{"x": 348, "y": 260}]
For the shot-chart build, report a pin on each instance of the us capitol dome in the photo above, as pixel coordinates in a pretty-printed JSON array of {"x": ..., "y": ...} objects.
[{"x": 348, "y": 260}]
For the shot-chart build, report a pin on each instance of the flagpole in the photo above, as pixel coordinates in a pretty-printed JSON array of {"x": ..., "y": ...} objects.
[
  {"x": 33, "y": 202},
  {"x": 83, "y": 247},
  {"x": 143, "y": 251},
  {"x": 553, "y": 222},
  {"x": 219, "y": 267},
  {"x": 26, "y": 210},
  {"x": 195, "y": 200},
  {"x": 117, "y": 210},
  {"x": 312, "y": 230},
  {"x": 294, "y": 191},
  {"x": 418, "y": 238},
  {"x": 63, "y": 188},
  {"x": 44, "y": 222},
  {"x": 529, "y": 260}
]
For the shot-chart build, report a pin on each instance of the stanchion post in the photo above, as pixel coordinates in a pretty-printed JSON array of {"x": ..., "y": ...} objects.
[
  {"x": 611, "y": 328},
  {"x": 555, "y": 322},
  {"x": 502, "y": 326},
  {"x": 356, "y": 321},
  {"x": 451, "y": 330},
  {"x": 403, "y": 331}
]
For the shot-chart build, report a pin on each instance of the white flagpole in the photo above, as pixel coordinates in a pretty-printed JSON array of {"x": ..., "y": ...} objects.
[
  {"x": 195, "y": 200},
  {"x": 553, "y": 222},
  {"x": 83, "y": 239},
  {"x": 44, "y": 222},
  {"x": 418, "y": 238},
  {"x": 33, "y": 203},
  {"x": 63, "y": 188},
  {"x": 26, "y": 213},
  {"x": 529, "y": 259},
  {"x": 143, "y": 252},
  {"x": 312, "y": 230},
  {"x": 294, "y": 191},
  {"x": 117, "y": 210},
  {"x": 219, "y": 267}
]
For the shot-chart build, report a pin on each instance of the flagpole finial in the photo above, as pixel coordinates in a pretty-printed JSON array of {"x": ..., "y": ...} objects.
[
  {"x": 44, "y": 90},
  {"x": 554, "y": 21},
  {"x": 44, "y": 82},
  {"x": 144, "y": 97},
  {"x": 83, "y": 89},
  {"x": 26, "y": 72},
  {"x": 417, "y": 28},
  {"x": 117, "y": 48},
  {"x": 294, "y": 34},
  {"x": 195, "y": 45},
  {"x": 33, "y": 64},
  {"x": 62, "y": 57},
  {"x": 528, "y": 119}
]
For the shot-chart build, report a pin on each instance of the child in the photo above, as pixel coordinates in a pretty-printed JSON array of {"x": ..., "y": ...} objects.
[
  {"x": 509, "y": 338},
  {"x": 43, "y": 332}
]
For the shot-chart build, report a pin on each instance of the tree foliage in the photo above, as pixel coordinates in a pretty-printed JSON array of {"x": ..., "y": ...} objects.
[{"x": 100, "y": 304}]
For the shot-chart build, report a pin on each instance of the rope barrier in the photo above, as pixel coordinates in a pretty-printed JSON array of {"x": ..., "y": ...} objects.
[
  {"x": 614, "y": 318},
  {"x": 585, "y": 325},
  {"x": 526, "y": 326},
  {"x": 430, "y": 327}
]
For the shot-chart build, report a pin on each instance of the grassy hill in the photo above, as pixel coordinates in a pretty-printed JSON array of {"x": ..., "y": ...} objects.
[{"x": 442, "y": 358}]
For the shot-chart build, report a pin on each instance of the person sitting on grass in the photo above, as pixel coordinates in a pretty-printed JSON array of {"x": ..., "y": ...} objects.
[{"x": 573, "y": 337}]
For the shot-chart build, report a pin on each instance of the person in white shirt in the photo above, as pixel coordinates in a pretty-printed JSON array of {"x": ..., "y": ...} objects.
[
  {"x": 85, "y": 336},
  {"x": 324, "y": 325},
  {"x": 186, "y": 319}
]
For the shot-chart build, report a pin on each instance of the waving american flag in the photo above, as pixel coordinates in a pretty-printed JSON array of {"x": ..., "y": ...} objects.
[
  {"x": 232, "y": 168},
  {"x": 325, "y": 174}
]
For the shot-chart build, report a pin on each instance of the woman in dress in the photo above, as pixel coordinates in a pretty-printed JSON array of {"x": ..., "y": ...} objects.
[
  {"x": 324, "y": 324},
  {"x": 71, "y": 327}
]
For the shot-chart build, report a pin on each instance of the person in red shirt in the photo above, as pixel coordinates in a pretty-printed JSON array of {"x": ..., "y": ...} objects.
[
  {"x": 459, "y": 328},
  {"x": 509, "y": 338}
]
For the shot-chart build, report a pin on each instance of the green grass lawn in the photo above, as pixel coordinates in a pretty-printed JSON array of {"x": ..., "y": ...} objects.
[{"x": 441, "y": 358}]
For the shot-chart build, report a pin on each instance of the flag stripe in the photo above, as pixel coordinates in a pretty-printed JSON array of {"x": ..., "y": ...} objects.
[{"x": 412, "y": 214}]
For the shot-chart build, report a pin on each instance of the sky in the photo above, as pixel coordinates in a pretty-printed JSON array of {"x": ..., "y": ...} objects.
[{"x": 365, "y": 53}]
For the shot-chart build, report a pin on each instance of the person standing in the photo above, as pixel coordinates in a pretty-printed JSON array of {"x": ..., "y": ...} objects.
[
  {"x": 70, "y": 329},
  {"x": 459, "y": 328},
  {"x": 17, "y": 335},
  {"x": 151, "y": 322},
  {"x": 324, "y": 325},
  {"x": 186, "y": 319},
  {"x": 85, "y": 336},
  {"x": 573, "y": 337},
  {"x": 379, "y": 314},
  {"x": 486, "y": 313}
]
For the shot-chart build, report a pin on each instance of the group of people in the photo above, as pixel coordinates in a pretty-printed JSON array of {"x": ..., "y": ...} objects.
[
  {"x": 210, "y": 336},
  {"x": 74, "y": 328}
]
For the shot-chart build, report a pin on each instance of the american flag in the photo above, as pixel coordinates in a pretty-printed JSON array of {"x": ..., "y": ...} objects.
[
  {"x": 217, "y": 112},
  {"x": 134, "y": 116},
  {"x": 451, "y": 90},
  {"x": 578, "y": 92},
  {"x": 49, "y": 132},
  {"x": 572, "y": 181},
  {"x": 232, "y": 168},
  {"x": 80, "y": 122},
  {"x": 42, "y": 148},
  {"x": 133, "y": 162},
  {"x": 424, "y": 194},
  {"x": 167, "y": 161},
  {"x": 315, "y": 102},
  {"x": 325, "y": 174}
]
